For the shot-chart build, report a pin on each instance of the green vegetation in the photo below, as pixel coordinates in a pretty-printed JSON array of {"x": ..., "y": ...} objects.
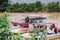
[
  {"x": 54, "y": 7},
  {"x": 3, "y": 5},
  {"x": 31, "y": 7},
  {"x": 4, "y": 27}
]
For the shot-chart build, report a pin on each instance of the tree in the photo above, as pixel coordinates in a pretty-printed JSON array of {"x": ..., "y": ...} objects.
[
  {"x": 3, "y": 5},
  {"x": 38, "y": 6},
  {"x": 44, "y": 8},
  {"x": 53, "y": 7}
]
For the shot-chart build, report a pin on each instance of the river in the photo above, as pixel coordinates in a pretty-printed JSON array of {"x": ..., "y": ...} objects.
[{"x": 53, "y": 17}]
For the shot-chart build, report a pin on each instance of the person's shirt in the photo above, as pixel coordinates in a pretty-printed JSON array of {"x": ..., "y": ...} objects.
[
  {"x": 45, "y": 31},
  {"x": 49, "y": 30},
  {"x": 52, "y": 26},
  {"x": 31, "y": 26}
]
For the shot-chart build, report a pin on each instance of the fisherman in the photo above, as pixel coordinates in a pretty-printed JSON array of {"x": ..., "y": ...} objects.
[{"x": 27, "y": 19}]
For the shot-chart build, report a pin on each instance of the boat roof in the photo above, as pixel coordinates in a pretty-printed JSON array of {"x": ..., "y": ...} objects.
[{"x": 37, "y": 18}]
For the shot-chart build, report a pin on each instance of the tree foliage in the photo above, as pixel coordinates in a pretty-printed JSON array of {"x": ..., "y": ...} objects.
[
  {"x": 31, "y": 7},
  {"x": 53, "y": 7},
  {"x": 3, "y": 5}
]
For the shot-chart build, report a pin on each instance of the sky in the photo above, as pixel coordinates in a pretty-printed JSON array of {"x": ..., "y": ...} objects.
[{"x": 31, "y": 1}]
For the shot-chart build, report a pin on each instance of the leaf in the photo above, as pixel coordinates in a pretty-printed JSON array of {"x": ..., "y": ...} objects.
[
  {"x": 0, "y": 36},
  {"x": 2, "y": 29}
]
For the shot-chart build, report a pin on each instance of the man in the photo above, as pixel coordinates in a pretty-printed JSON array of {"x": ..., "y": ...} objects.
[
  {"x": 27, "y": 20},
  {"x": 43, "y": 36},
  {"x": 52, "y": 26}
]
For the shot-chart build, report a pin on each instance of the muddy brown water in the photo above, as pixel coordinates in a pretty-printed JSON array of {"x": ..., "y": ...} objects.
[{"x": 53, "y": 17}]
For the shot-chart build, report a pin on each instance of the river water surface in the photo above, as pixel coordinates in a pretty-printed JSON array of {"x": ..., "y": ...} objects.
[{"x": 53, "y": 17}]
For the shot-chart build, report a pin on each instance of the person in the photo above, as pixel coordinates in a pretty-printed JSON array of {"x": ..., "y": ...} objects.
[
  {"x": 27, "y": 20},
  {"x": 59, "y": 30},
  {"x": 43, "y": 36},
  {"x": 52, "y": 26},
  {"x": 56, "y": 30},
  {"x": 45, "y": 29},
  {"x": 38, "y": 26},
  {"x": 34, "y": 25},
  {"x": 31, "y": 26}
]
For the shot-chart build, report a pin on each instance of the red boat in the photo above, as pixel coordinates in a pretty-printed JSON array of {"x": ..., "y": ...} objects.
[
  {"x": 21, "y": 24},
  {"x": 29, "y": 20}
]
